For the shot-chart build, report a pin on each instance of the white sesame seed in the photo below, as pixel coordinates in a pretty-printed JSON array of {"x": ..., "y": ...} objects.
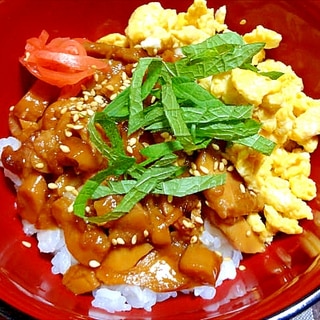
[
  {"x": 75, "y": 192},
  {"x": 123, "y": 76},
  {"x": 83, "y": 113},
  {"x": 90, "y": 112},
  {"x": 110, "y": 87},
  {"x": 221, "y": 166},
  {"x": 242, "y": 188},
  {"x": 198, "y": 219},
  {"x": 99, "y": 99},
  {"x": 145, "y": 233},
  {"x": 248, "y": 233},
  {"x": 230, "y": 168},
  {"x": 120, "y": 241},
  {"x": 196, "y": 173},
  {"x": 67, "y": 133},
  {"x": 70, "y": 208},
  {"x": 134, "y": 239},
  {"x": 113, "y": 96},
  {"x": 94, "y": 263},
  {"x": 153, "y": 99},
  {"x": 39, "y": 165},
  {"x": 242, "y": 267},
  {"x": 129, "y": 149},
  {"x": 114, "y": 242},
  {"x": 52, "y": 186},
  {"x": 78, "y": 127},
  {"x": 69, "y": 188},
  {"x": 216, "y": 165},
  {"x": 215, "y": 147},
  {"x": 64, "y": 148},
  {"x": 64, "y": 110},
  {"x": 27, "y": 244},
  {"x": 204, "y": 169},
  {"x": 132, "y": 141}
]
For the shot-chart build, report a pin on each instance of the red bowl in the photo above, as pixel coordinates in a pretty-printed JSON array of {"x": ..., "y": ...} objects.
[{"x": 272, "y": 288}]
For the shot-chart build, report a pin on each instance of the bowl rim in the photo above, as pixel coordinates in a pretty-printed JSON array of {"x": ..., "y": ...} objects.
[
  {"x": 291, "y": 310},
  {"x": 297, "y": 308}
]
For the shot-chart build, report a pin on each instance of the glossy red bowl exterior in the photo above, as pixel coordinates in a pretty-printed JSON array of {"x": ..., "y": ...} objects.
[{"x": 278, "y": 284}]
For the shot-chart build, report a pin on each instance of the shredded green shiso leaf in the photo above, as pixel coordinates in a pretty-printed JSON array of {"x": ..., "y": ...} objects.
[{"x": 191, "y": 114}]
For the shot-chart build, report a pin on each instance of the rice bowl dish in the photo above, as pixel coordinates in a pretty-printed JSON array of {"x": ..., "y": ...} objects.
[{"x": 281, "y": 169}]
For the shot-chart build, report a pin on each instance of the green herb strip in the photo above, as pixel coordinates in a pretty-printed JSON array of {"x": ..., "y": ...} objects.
[
  {"x": 140, "y": 89},
  {"x": 178, "y": 187},
  {"x": 174, "y": 117},
  {"x": 218, "y": 54},
  {"x": 191, "y": 114},
  {"x": 114, "y": 153}
]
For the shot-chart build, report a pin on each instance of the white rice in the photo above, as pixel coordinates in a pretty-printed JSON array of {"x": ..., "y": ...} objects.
[
  {"x": 52, "y": 241},
  {"x": 126, "y": 297},
  {"x": 215, "y": 240},
  {"x": 62, "y": 261},
  {"x": 15, "y": 144}
]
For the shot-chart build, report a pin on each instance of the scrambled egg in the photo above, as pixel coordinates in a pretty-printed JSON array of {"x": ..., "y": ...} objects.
[
  {"x": 288, "y": 116},
  {"x": 156, "y": 29}
]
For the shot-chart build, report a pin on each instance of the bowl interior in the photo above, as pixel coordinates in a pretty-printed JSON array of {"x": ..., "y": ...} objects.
[{"x": 268, "y": 284}]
